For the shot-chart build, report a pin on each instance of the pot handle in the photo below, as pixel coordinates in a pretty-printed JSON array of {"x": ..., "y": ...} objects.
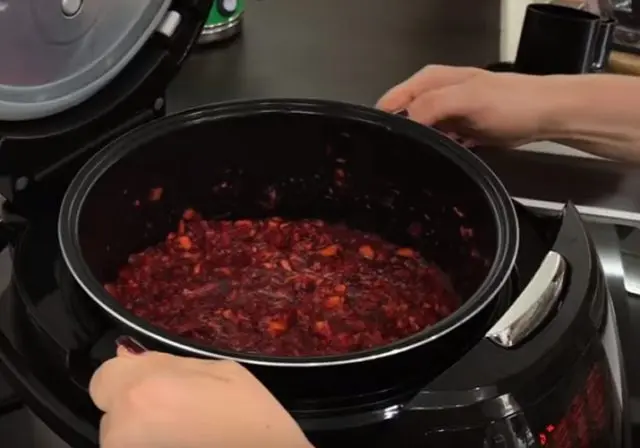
[{"x": 533, "y": 305}]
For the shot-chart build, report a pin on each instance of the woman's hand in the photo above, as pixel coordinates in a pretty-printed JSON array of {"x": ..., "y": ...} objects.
[
  {"x": 597, "y": 113},
  {"x": 501, "y": 109},
  {"x": 155, "y": 400}
]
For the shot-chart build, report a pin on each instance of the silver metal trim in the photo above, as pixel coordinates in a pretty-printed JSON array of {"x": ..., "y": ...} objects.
[
  {"x": 533, "y": 304},
  {"x": 613, "y": 348},
  {"x": 170, "y": 23},
  {"x": 631, "y": 267},
  {"x": 598, "y": 214},
  {"x": 216, "y": 33},
  {"x": 71, "y": 8}
]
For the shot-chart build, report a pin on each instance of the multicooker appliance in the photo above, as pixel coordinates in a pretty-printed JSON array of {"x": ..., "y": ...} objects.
[{"x": 534, "y": 358}]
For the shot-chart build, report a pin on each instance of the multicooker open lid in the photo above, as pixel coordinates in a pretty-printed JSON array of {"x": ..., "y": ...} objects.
[
  {"x": 58, "y": 53},
  {"x": 76, "y": 74}
]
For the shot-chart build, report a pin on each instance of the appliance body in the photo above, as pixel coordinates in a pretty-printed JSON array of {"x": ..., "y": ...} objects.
[{"x": 564, "y": 386}]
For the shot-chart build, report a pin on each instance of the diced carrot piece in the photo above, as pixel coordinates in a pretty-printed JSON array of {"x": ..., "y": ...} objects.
[
  {"x": 329, "y": 251},
  {"x": 333, "y": 302},
  {"x": 277, "y": 327},
  {"x": 406, "y": 252},
  {"x": 367, "y": 252},
  {"x": 185, "y": 242}
]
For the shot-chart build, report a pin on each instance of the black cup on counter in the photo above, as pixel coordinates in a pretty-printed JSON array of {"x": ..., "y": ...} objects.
[{"x": 562, "y": 40}]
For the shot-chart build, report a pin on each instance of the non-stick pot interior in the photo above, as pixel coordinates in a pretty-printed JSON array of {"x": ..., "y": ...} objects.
[{"x": 293, "y": 165}]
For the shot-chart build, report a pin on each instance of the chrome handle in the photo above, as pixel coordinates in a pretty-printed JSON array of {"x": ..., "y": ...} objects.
[{"x": 533, "y": 304}]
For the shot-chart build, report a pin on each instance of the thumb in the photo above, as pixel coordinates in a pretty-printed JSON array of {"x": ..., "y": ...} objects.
[
  {"x": 439, "y": 105},
  {"x": 395, "y": 99}
]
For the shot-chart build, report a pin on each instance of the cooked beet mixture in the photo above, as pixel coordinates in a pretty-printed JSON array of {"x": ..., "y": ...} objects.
[{"x": 285, "y": 288}]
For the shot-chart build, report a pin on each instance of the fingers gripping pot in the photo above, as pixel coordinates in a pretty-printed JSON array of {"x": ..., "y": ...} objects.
[{"x": 396, "y": 174}]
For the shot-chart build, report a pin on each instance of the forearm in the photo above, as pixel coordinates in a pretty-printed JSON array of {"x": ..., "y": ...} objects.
[{"x": 599, "y": 114}]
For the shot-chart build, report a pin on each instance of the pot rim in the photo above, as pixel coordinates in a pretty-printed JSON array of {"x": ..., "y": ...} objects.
[{"x": 506, "y": 222}]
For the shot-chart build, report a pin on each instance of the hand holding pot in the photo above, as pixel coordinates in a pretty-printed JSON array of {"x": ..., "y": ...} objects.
[
  {"x": 501, "y": 109},
  {"x": 156, "y": 400},
  {"x": 596, "y": 113}
]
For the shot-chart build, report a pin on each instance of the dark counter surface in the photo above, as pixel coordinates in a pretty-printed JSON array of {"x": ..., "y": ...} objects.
[
  {"x": 355, "y": 50},
  {"x": 349, "y": 50}
]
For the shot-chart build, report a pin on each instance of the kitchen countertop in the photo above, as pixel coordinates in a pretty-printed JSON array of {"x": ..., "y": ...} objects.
[
  {"x": 307, "y": 50},
  {"x": 348, "y": 50}
]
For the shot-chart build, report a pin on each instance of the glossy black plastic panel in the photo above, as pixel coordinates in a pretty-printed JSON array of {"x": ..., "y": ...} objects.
[{"x": 29, "y": 147}]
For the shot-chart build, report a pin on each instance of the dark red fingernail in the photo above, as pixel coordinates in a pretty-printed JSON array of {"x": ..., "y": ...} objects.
[
  {"x": 130, "y": 345},
  {"x": 402, "y": 112}
]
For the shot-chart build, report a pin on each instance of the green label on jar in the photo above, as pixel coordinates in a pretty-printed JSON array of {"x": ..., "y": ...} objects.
[{"x": 224, "y": 11}]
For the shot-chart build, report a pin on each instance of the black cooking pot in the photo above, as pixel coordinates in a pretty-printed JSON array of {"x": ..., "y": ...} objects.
[{"x": 221, "y": 160}]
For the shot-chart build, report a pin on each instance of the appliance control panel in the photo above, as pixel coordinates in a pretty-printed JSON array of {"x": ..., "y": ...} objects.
[{"x": 581, "y": 410}]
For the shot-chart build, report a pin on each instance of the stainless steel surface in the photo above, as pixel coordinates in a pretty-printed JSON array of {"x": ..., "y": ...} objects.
[
  {"x": 622, "y": 5},
  {"x": 591, "y": 183},
  {"x": 594, "y": 214},
  {"x": 631, "y": 265},
  {"x": 533, "y": 305},
  {"x": 604, "y": 8}
]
